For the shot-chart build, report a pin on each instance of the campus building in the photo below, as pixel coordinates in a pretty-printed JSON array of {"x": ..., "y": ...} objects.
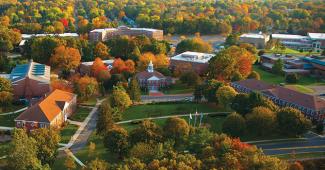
[
  {"x": 108, "y": 33},
  {"x": 188, "y": 61},
  {"x": 318, "y": 65},
  {"x": 152, "y": 80},
  {"x": 85, "y": 67},
  {"x": 26, "y": 37},
  {"x": 258, "y": 40},
  {"x": 314, "y": 41},
  {"x": 312, "y": 106},
  {"x": 52, "y": 111},
  {"x": 31, "y": 80}
]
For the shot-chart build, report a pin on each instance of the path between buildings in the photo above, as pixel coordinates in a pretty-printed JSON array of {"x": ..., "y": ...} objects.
[
  {"x": 17, "y": 111},
  {"x": 169, "y": 116}
]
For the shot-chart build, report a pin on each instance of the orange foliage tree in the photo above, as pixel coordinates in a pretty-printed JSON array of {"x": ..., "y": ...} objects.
[
  {"x": 159, "y": 61},
  {"x": 61, "y": 85},
  {"x": 65, "y": 58},
  {"x": 120, "y": 66},
  {"x": 98, "y": 65},
  {"x": 86, "y": 87},
  {"x": 101, "y": 51}
]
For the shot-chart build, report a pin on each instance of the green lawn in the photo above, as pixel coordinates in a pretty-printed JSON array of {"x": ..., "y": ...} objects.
[
  {"x": 90, "y": 102},
  {"x": 276, "y": 79},
  {"x": 67, "y": 132},
  {"x": 301, "y": 155},
  {"x": 4, "y": 148},
  {"x": 163, "y": 109},
  {"x": 11, "y": 108},
  {"x": 178, "y": 88},
  {"x": 8, "y": 120},
  {"x": 290, "y": 51},
  {"x": 80, "y": 114}
]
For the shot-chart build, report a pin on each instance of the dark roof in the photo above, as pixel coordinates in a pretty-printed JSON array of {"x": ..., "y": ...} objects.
[
  {"x": 146, "y": 75},
  {"x": 289, "y": 95}
]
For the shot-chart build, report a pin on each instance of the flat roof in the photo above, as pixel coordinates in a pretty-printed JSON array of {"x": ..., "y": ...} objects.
[
  {"x": 317, "y": 36},
  {"x": 253, "y": 35},
  {"x": 123, "y": 27},
  {"x": 193, "y": 57},
  {"x": 89, "y": 63},
  {"x": 28, "y": 36},
  {"x": 288, "y": 36}
]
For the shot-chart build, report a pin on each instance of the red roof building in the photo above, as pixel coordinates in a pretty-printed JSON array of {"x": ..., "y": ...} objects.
[
  {"x": 312, "y": 106},
  {"x": 52, "y": 111}
]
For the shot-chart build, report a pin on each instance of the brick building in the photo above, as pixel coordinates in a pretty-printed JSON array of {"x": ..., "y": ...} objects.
[
  {"x": 31, "y": 80},
  {"x": 258, "y": 40},
  {"x": 188, "y": 61},
  {"x": 108, "y": 33},
  {"x": 312, "y": 106},
  {"x": 52, "y": 111}
]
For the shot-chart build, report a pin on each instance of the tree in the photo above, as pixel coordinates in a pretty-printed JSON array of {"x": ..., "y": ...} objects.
[
  {"x": 42, "y": 48},
  {"x": 254, "y": 75},
  {"x": 292, "y": 122},
  {"x": 86, "y": 87},
  {"x": 23, "y": 152},
  {"x": 8, "y": 38},
  {"x": 147, "y": 132},
  {"x": 261, "y": 121},
  {"x": 65, "y": 58},
  {"x": 61, "y": 84},
  {"x": 97, "y": 164},
  {"x": 198, "y": 93},
  {"x": 296, "y": 166},
  {"x": 134, "y": 90},
  {"x": 98, "y": 66},
  {"x": 120, "y": 66},
  {"x": 177, "y": 129},
  {"x": 292, "y": 78},
  {"x": 225, "y": 95},
  {"x": 6, "y": 98},
  {"x": 277, "y": 67},
  {"x": 195, "y": 44},
  {"x": 5, "y": 85},
  {"x": 101, "y": 51},
  {"x": 69, "y": 163},
  {"x": 143, "y": 151},
  {"x": 241, "y": 104},
  {"x": 159, "y": 61},
  {"x": 58, "y": 27},
  {"x": 116, "y": 141},
  {"x": 120, "y": 98},
  {"x": 190, "y": 78},
  {"x": 105, "y": 119},
  {"x": 232, "y": 39},
  {"x": 234, "y": 125},
  {"x": 323, "y": 53},
  {"x": 47, "y": 143},
  {"x": 210, "y": 90}
]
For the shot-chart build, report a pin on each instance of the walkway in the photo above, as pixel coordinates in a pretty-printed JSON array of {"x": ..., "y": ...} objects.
[
  {"x": 165, "y": 98},
  {"x": 164, "y": 117}
]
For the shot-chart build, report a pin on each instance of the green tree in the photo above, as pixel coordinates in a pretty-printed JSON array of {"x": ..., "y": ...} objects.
[
  {"x": 116, "y": 141},
  {"x": 198, "y": 93},
  {"x": 105, "y": 119},
  {"x": 134, "y": 90},
  {"x": 277, "y": 67},
  {"x": 23, "y": 152},
  {"x": 199, "y": 139},
  {"x": 234, "y": 125},
  {"x": 195, "y": 44},
  {"x": 190, "y": 78},
  {"x": 292, "y": 122},
  {"x": 42, "y": 48},
  {"x": 69, "y": 163},
  {"x": 177, "y": 129},
  {"x": 292, "y": 78},
  {"x": 143, "y": 151},
  {"x": 241, "y": 104},
  {"x": 120, "y": 98},
  {"x": 261, "y": 121},
  {"x": 147, "y": 132},
  {"x": 232, "y": 39},
  {"x": 210, "y": 90},
  {"x": 5, "y": 85},
  {"x": 47, "y": 143},
  {"x": 8, "y": 38},
  {"x": 97, "y": 164},
  {"x": 225, "y": 96},
  {"x": 6, "y": 99}
]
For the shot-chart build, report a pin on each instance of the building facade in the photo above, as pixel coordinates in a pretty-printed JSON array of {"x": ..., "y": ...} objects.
[
  {"x": 152, "y": 80},
  {"x": 312, "y": 106},
  {"x": 31, "y": 80},
  {"x": 52, "y": 111},
  {"x": 189, "y": 61},
  {"x": 258, "y": 40},
  {"x": 108, "y": 33},
  {"x": 313, "y": 41}
]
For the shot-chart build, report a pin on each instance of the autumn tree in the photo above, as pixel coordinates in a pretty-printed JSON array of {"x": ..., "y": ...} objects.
[
  {"x": 62, "y": 84},
  {"x": 143, "y": 151},
  {"x": 8, "y": 38},
  {"x": 120, "y": 66},
  {"x": 147, "y": 132},
  {"x": 40, "y": 49},
  {"x": 86, "y": 87},
  {"x": 105, "y": 119},
  {"x": 6, "y": 99},
  {"x": 195, "y": 44},
  {"x": 65, "y": 58},
  {"x": 177, "y": 129},
  {"x": 225, "y": 96},
  {"x": 261, "y": 121},
  {"x": 292, "y": 122},
  {"x": 234, "y": 125},
  {"x": 58, "y": 27},
  {"x": 116, "y": 141},
  {"x": 97, "y": 164},
  {"x": 69, "y": 163},
  {"x": 210, "y": 90},
  {"x": 119, "y": 98},
  {"x": 101, "y": 51},
  {"x": 190, "y": 78},
  {"x": 98, "y": 66},
  {"x": 159, "y": 61}
]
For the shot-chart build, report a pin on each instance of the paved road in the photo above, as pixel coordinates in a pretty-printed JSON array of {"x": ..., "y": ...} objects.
[
  {"x": 313, "y": 143},
  {"x": 165, "y": 98}
]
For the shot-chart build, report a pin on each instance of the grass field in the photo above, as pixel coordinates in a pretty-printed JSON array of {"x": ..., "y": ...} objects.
[
  {"x": 178, "y": 88},
  {"x": 11, "y": 108},
  {"x": 8, "y": 120},
  {"x": 67, "y": 132},
  {"x": 290, "y": 51},
  {"x": 302, "y": 155},
  {"x": 4, "y": 148},
  {"x": 90, "y": 102},
  {"x": 164, "y": 109},
  {"x": 81, "y": 114}
]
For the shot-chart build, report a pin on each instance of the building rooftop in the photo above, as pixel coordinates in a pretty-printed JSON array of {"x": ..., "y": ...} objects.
[
  {"x": 193, "y": 57},
  {"x": 32, "y": 70},
  {"x": 316, "y": 60},
  {"x": 254, "y": 35},
  {"x": 317, "y": 36},
  {"x": 90, "y": 63},
  {"x": 28, "y": 36},
  {"x": 288, "y": 36},
  {"x": 124, "y": 28},
  {"x": 46, "y": 110}
]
